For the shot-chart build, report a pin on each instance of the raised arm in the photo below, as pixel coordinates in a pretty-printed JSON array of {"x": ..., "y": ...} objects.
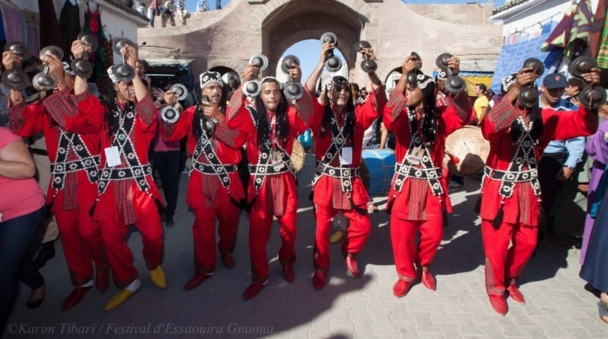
[
  {"x": 316, "y": 74},
  {"x": 78, "y": 50}
]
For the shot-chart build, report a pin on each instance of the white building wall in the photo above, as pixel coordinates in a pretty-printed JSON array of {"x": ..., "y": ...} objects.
[
  {"x": 531, "y": 19},
  {"x": 116, "y": 24}
]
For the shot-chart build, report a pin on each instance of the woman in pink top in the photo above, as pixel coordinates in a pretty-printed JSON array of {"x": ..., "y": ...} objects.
[{"x": 22, "y": 213}]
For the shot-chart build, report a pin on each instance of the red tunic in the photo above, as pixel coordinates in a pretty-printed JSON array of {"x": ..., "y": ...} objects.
[
  {"x": 416, "y": 200},
  {"x": 283, "y": 195},
  {"x": 226, "y": 143},
  {"x": 112, "y": 204},
  {"x": 523, "y": 206},
  {"x": 27, "y": 120},
  {"x": 328, "y": 190}
]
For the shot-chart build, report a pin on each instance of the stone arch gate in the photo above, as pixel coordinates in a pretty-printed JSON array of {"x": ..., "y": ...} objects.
[{"x": 226, "y": 38}]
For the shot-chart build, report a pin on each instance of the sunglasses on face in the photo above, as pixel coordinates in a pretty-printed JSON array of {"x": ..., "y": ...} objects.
[{"x": 340, "y": 88}]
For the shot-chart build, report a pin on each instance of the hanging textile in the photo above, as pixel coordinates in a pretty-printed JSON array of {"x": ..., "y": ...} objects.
[
  {"x": 575, "y": 28},
  {"x": 69, "y": 24},
  {"x": 49, "y": 25},
  {"x": 32, "y": 39},
  {"x": 598, "y": 24},
  {"x": 14, "y": 24},
  {"x": 92, "y": 25},
  {"x": 602, "y": 55},
  {"x": 15, "y": 27}
]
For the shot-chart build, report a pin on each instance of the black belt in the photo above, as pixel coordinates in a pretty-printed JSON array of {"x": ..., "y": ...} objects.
[
  {"x": 213, "y": 169},
  {"x": 419, "y": 173},
  {"x": 127, "y": 172},
  {"x": 521, "y": 176},
  {"x": 73, "y": 166},
  {"x": 341, "y": 172},
  {"x": 269, "y": 169},
  {"x": 39, "y": 151}
]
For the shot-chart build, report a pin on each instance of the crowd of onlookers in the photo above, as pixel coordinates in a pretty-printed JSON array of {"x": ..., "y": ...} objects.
[{"x": 170, "y": 9}]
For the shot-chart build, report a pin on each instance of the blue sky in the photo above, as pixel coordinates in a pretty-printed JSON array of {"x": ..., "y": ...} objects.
[{"x": 308, "y": 50}]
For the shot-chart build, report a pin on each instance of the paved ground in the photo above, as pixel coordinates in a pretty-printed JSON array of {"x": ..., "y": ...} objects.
[{"x": 557, "y": 305}]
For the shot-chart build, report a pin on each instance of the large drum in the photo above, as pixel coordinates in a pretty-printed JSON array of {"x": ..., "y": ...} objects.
[
  {"x": 466, "y": 151},
  {"x": 380, "y": 167}
]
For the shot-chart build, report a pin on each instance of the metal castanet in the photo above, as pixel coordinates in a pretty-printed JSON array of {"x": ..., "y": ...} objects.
[
  {"x": 293, "y": 90},
  {"x": 333, "y": 63},
  {"x": 180, "y": 90},
  {"x": 82, "y": 66},
  {"x": 46, "y": 81},
  {"x": 15, "y": 78},
  {"x": 253, "y": 87},
  {"x": 169, "y": 114},
  {"x": 590, "y": 96},
  {"x": 208, "y": 122},
  {"x": 124, "y": 72},
  {"x": 454, "y": 83},
  {"x": 368, "y": 65},
  {"x": 529, "y": 96}
]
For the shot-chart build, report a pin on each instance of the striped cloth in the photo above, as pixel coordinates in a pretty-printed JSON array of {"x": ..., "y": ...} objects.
[
  {"x": 602, "y": 55},
  {"x": 15, "y": 28}
]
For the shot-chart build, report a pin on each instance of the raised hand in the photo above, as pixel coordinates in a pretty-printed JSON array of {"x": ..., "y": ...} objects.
[{"x": 10, "y": 59}]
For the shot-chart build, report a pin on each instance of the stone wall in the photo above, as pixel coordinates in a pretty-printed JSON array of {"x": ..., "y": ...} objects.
[{"x": 230, "y": 36}]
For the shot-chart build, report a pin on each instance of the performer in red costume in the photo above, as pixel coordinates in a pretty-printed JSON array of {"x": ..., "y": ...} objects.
[
  {"x": 510, "y": 204},
  {"x": 74, "y": 157},
  {"x": 215, "y": 189},
  {"x": 271, "y": 128},
  {"x": 338, "y": 128},
  {"x": 418, "y": 200},
  {"x": 127, "y": 192}
]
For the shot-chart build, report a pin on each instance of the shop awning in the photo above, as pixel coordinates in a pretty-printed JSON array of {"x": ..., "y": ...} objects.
[{"x": 180, "y": 64}]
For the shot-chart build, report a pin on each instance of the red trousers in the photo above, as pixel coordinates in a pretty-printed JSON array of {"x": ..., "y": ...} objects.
[
  {"x": 203, "y": 232},
  {"x": 356, "y": 234},
  {"x": 260, "y": 223},
  {"x": 504, "y": 263},
  {"x": 119, "y": 255},
  {"x": 80, "y": 236},
  {"x": 403, "y": 236}
]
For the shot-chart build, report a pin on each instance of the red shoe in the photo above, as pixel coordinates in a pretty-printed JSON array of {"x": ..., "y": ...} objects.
[
  {"x": 74, "y": 298},
  {"x": 102, "y": 280},
  {"x": 228, "y": 260},
  {"x": 254, "y": 289},
  {"x": 499, "y": 304},
  {"x": 289, "y": 273},
  {"x": 352, "y": 266},
  {"x": 400, "y": 288},
  {"x": 428, "y": 280},
  {"x": 516, "y": 294},
  {"x": 198, "y": 279},
  {"x": 319, "y": 279}
]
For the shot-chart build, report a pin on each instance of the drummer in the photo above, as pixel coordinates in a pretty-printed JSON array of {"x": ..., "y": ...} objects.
[
  {"x": 338, "y": 127},
  {"x": 418, "y": 199}
]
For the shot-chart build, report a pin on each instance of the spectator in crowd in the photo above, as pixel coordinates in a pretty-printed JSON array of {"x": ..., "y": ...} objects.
[
  {"x": 560, "y": 157},
  {"x": 481, "y": 103},
  {"x": 574, "y": 87},
  {"x": 22, "y": 214},
  {"x": 597, "y": 149}
]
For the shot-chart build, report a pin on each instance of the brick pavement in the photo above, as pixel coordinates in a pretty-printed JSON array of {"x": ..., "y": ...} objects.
[{"x": 557, "y": 305}]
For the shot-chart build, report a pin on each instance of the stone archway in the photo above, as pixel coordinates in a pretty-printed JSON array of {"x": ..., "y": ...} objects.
[
  {"x": 247, "y": 27},
  {"x": 294, "y": 21}
]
